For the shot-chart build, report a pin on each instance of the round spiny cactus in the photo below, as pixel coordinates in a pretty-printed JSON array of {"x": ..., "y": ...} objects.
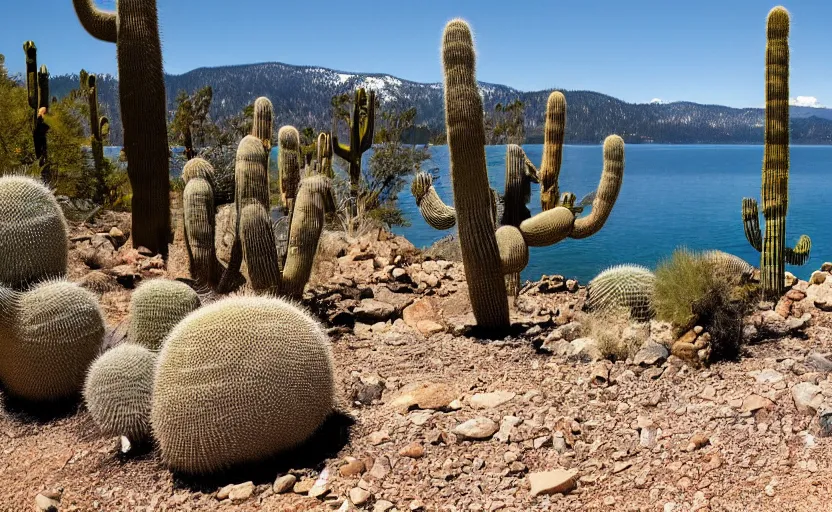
[
  {"x": 198, "y": 168},
  {"x": 156, "y": 307},
  {"x": 729, "y": 266},
  {"x": 33, "y": 233},
  {"x": 58, "y": 332},
  {"x": 240, "y": 380},
  {"x": 623, "y": 286},
  {"x": 118, "y": 390}
]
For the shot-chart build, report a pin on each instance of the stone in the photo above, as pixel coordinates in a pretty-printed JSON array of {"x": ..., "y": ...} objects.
[
  {"x": 767, "y": 376},
  {"x": 651, "y": 354},
  {"x": 382, "y": 506},
  {"x": 353, "y": 467},
  {"x": 476, "y": 428},
  {"x": 490, "y": 400},
  {"x": 372, "y": 311},
  {"x": 426, "y": 395},
  {"x": 413, "y": 450},
  {"x": 825, "y": 423},
  {"x": 587, "y": 348},
  {"x": 698, "y": 441},
  {"x": 818, "y": 362},
  {"x": 569, "y": 332},
  {"x": 284, "y": 484},
  {"x": 826, "y": 267},
  {"x": 416, "y": 505},
  {"x": 506, "y": 427},
  {"x": 380, "y": 469},
  {"x": 303, "y": 486},
  {"x": 359, "y": 496},
  {"x": 621, "y": 466},
  {"x": 423, "y": 309},
  {"x": 807, "y": 397},
  {"x": 378, "y": 437},
  {"x": 754, "y": 403},
  {"x": 46, "y": 504},
  {"x": 241, "y": 492},
  {"x": 571, "y": 285},
  {"x": 599, "y": 374},
  {"x": 367, "y": 389},
  {"x": 429, "y": 327},
  {"x": 558, "y": 481},
  {"x": 419, "y": 418}
]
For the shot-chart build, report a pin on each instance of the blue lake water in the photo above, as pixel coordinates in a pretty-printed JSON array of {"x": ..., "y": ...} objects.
[{"x": 671, "y": 196}]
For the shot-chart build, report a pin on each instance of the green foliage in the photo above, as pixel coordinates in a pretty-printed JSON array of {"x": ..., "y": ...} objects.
[
  {"x": 507, "y": 124},
  {"x": 689, "y": 291}
]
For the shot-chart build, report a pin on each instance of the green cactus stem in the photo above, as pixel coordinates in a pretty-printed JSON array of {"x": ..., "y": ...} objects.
[
  {"x": 288, "y": 165},
  {"x": 775, "y": 186},
  {"x": 99, "y": 127},
  {"x": 263, "y": 125},
  {"x": 135, "y": 31},
  {"x": 435, "y": 212},
  {"x": 37, "y": 85},
  {"x": 324, "y": 155},
  {"x": 361, "y": 140},
  {"x": 553, "y": 134}
]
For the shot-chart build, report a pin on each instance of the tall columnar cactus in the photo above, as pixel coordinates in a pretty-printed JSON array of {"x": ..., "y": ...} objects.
[
  {"x": 263, "y": 125},
  {"x": 486, "y": 255},
  {"x": 361, "y": 139},
  {"x": 262, "y": 358},
  {"x": 774, "y": 253},
  {"x": 135, "y": 31},
  {"x": 58, "y": 330},
  {"x": 33, "y": 233},
  {"x": 156, "y": 307},
  {"x": 99, "y": 129},
  {"x": 553, "y": 134},
  {"x": 629, "y": 287},
  {"x": 324, "y": 155},
  {"x": 117, "y": 391},
  {"x": 269, "y": 271},
  {"x": 37, "y": 84}
]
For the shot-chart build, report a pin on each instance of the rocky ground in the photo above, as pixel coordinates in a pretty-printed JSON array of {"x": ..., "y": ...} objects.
[{"x": 440, "y": 419}]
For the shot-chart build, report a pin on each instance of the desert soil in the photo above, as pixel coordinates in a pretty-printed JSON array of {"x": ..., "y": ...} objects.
[{"x": 663, "y": 436}]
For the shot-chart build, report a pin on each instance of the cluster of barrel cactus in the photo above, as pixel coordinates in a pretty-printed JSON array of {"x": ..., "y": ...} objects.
[
  {"x": 51, "y": 329},
  {"x": 774, "y": 252},
  {"x": 305, "y": 202},
  {"x": 489, "y": 253}
]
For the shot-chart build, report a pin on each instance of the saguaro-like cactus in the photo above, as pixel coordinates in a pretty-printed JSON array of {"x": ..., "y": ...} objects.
[
  {"x": 361, "y": 139},
  {"x": 774, "y": 253},
  {"x": 488, "y": 256},
  {"x": 99, "y": 129},
  {"x": 135, "y": 31},
  {"x": 37, "y": 84}
]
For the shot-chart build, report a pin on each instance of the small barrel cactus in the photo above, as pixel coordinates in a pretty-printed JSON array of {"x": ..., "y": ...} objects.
[
  {"x": 156, "y": 307},
  {"x": 58, "y": 332},
  {"x": 729, "y": 266},
  {"x": 118, "y": 390},
  {"x": 240, "y": 380},
  {"x": 629, "y": 287},
  {"x": 33, "y": 233}
]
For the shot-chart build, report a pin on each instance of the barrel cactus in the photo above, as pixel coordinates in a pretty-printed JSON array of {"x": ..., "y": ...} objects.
[
  {"x": 33, "y": 233},
  {"x": 156, "y": 307},
  {"x": 240, "y": 380},
  {"x": 729, "y": 266},
  {"x": 58, "y": 331},
  {"x": 772, "y": 247},
  {"x": 117, "y": 391},
  {"x": 474, "y": 203},
  {"x": 627, "y": 287}
]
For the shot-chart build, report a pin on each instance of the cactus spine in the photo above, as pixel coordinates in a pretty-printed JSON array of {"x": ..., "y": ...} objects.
[
  {"x": 361, "y": 140},
  {"x": 486, "y": 256},
  {"x": 37, "y": 84},
  {"x": 135, "y": 31},
  {"x": 774, "y": 253}
]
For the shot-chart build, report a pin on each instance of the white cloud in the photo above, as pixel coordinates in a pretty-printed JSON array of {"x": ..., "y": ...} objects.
[{"x": 805, "y": 101}]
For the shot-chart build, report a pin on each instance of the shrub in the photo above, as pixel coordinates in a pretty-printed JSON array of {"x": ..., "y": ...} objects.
[
  {"x": 690, "y": 291},
  {"x": 609, "y": 329}
]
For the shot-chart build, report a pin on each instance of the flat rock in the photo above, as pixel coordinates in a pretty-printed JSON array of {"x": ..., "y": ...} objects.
[
  {"x": 477, "y": 428},
  {"x": 380, "y": 469},
  {"x": 359, "y": 496},
  {"x": 558, "y": 481},
  {"x": 413, "y": 450},
  {"x": 490, "y": 400},
  {"x": 425, "y": 395},
  {"x": 372, "y": 311},
  {"x": 754, "y": 403},
  {"x": 46, "y": 504},
  {"x": 284, "y": 484},
  {"x": 382, "y": 506},
  {"x": 651, "y": 354},
  {"x": 587, "y": 348},
  {"x": 818, "y": 362},
  {"x": 807, "y": 397},
  {"x": 353, "y": 467},
  {"x": 767, "y": 376},
  {"x": 241, "y": 492}
]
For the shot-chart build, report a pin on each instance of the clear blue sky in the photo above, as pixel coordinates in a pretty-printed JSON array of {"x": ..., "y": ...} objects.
[{"x": 707, "y": 51}]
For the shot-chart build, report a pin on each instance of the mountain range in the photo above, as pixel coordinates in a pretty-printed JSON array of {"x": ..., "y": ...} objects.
[{"x": 301, "y": 96}]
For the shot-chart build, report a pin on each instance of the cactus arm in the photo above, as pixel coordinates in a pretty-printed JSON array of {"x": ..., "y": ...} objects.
[
  {"x": 259, "y": 250},
  {"x": 31, "y": 52},
  {"x": 514, "y": 253},
  {"x": 751, "y": 223},
  {"x": 99, "y": 24},
  {"x": 435, "y": 212},
  {"x": 315, "y": 198},
  {"x": 469, "y": 174},
  {"x": 43, "y": 87},
  {"x": 368, "y": 127},
  {"x": 552, "y": 149},
  {"x": 518, "y": 187},
  {"x": 340, "y": 149},
  {"x": 800, "y": 254},
  {"x": 608, "y": 189},
  {"x": 548, "y": 227}
]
